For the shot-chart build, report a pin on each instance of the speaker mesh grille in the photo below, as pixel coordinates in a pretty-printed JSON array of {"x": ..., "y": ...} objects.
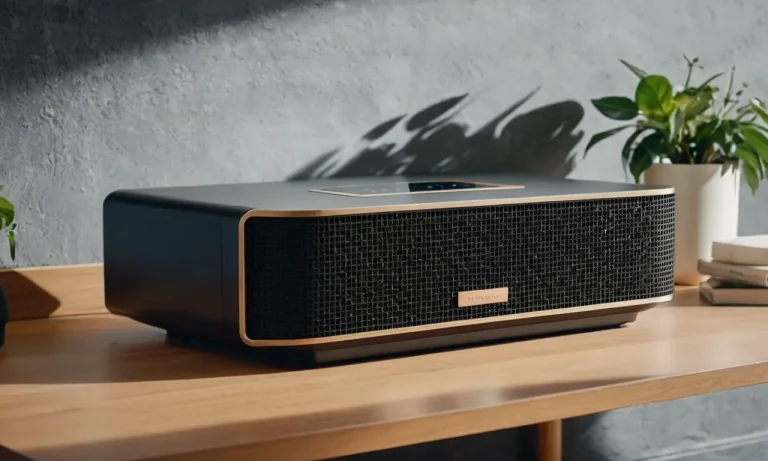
[{"x": 309, "y": 278}]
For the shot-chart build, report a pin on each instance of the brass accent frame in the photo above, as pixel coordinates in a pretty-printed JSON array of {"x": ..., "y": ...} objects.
[
  {"x": 265, "y": 213},
  {"x": 424, "y": 206},
  {"x": 490, "y": 187}
]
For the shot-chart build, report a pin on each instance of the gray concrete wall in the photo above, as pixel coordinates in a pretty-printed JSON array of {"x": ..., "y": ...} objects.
[{"x": 101, "y": 94}]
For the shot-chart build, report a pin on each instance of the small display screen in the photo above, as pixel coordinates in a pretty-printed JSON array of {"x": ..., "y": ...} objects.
[
  {"x": 412, "y": 188},
  {"x": 445, "y": 185}
]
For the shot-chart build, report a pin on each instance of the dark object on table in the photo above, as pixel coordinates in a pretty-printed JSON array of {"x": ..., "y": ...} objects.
[
  {"x": 4, "y": 314},
  {"x": 333, "y": 270},
  {"x": 7, "y": 454}
]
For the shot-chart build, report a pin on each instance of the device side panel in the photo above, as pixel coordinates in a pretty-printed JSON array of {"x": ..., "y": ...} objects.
[
  {"x": 163, "y": 265},
  {"x": 230, "y": 275}
]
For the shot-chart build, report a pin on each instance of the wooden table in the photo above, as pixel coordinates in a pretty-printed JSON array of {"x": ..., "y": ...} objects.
[{"x": 97, "y": 387}]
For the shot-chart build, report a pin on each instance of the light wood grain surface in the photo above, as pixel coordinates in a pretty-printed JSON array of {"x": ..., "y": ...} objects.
[
  {"x": 56, "y": 291},
  {"x": 98, "y": 387}
]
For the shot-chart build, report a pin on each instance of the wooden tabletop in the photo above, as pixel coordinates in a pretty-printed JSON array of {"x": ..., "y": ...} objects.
[{"x": 100, "y": 387}]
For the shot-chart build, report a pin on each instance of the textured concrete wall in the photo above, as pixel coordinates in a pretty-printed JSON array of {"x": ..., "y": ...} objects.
[{"x": 101, "y": 94}]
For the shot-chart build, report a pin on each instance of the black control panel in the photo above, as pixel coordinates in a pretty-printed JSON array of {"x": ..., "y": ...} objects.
[
  {"x": 445, "y": 185},
  {"x": 365, "y": 190}
]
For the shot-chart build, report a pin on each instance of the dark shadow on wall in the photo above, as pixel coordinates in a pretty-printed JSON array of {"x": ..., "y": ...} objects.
[
  {"x": 540, "y": 142},
  {"x": 41, "y": 39}
]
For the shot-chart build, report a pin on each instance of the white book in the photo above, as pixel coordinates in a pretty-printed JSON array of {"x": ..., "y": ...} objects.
[
  {"x": 750, "y": 250},
  {"x": 721, "y": 292},
  {"x": 751, "y": 275}
]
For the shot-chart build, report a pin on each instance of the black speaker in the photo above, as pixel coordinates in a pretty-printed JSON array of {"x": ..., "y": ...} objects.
[{"x": 340, "y": 269}]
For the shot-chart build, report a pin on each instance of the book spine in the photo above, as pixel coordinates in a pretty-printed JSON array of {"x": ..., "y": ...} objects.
[
  {"x": 734, "y": 274},
  {"x": 722, "y": 252},
  {"x": 736, "y": 254}
]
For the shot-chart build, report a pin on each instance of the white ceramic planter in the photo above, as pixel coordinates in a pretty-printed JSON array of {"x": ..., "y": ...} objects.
[{"x": 707, "y": 207}]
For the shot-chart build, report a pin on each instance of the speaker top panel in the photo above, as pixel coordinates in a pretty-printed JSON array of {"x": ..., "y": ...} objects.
[{"x": 391, "y": 193}]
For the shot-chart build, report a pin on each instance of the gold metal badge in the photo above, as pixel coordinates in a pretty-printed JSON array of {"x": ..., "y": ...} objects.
[{"x": 480, "y": 297}]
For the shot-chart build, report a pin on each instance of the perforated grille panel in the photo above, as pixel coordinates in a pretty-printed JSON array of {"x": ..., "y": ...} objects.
[{"x": 308, "y": 278}]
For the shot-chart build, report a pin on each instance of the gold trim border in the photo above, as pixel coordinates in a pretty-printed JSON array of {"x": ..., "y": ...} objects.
[
  {"x": 444, "y": 325},
  {"x": 264, "y": 213},
  {"x": 424, "y": 206}
]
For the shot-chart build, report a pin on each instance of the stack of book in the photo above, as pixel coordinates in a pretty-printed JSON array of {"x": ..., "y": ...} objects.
[{"x": 738, "y": 272}]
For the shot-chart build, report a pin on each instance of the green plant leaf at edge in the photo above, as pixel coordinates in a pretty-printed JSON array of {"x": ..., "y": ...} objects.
[
  {"x": 650, "y": 147},
  {"x": 749, "y": 158},
  {"x": 654, "y": 97},
  {"x": 634, "y": 69},
  {"x": 758, "y": 143},
  {"x": 752, "y": 180},
  {"x": 713, "y": 129},
  {"x": 756, "y": 126},
  {"x": 702, "y": 100},
  {"x": 751, "y": 174},
  {"x": 12, "y": 244},
  {"x": 7, "y": 212},
  {"x": 709, "y": 80},
  {"x": 676, "y": 122},
  {"x": 596, "y": 138},
  {"x": 760, "y": 109},
  {"x": 626, "y": 151},
  {"x": 616, "y": 107},
  {"x": 684, "y": 100}
]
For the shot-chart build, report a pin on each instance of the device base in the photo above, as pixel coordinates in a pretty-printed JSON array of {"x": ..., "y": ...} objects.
[{"x": 348, "y": 351}]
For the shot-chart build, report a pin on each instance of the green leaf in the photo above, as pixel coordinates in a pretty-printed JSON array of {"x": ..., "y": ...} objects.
[
  {"x": 753, "y": 181},
  {"x": 7, "y": 212},
  {"x": 732, "y": 132},
  {"x": 616, "y": 107},
  {"x": 750, "y": 159},
  {"x": 649, "y": 148},
  {"x": 710, "y": 80},
  {"x": 634, "y": 69},
  {"x": 12, "y": 244},
  {"x": 604, "y": 135},
  {"x": 757, "y": 141},
  {"x": 730, "y": 85},
  {"x": 703, "y": 102},
  {"x": 626, "y": 151},
  {"x": 641, "y": 161},
  {"x": 756, "y": 126},
  {"x": 711, "y": 132},
  {"x": 676, "y": 122},
  {"x": 694, "y": 100},
  {"x": 760, "y": 110},
  {"x": 683, "y": 100},
  {"x": 654, "y": 97}
]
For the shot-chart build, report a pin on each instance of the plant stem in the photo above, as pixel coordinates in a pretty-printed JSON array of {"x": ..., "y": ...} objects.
[
  {"x": 729, "y": 109},
  {"x": 743, "y": 111},
  {"x": 728, "y": 93},
  {"x": 690, "y": 71}
]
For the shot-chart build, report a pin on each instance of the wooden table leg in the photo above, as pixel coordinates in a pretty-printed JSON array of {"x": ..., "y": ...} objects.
[{"x": 551, "y": 441}]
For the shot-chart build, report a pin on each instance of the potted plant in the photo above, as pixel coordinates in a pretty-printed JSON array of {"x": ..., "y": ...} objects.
[
  {"x": 8, "y": 227},
  {"x": 699, "y": 140}
]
